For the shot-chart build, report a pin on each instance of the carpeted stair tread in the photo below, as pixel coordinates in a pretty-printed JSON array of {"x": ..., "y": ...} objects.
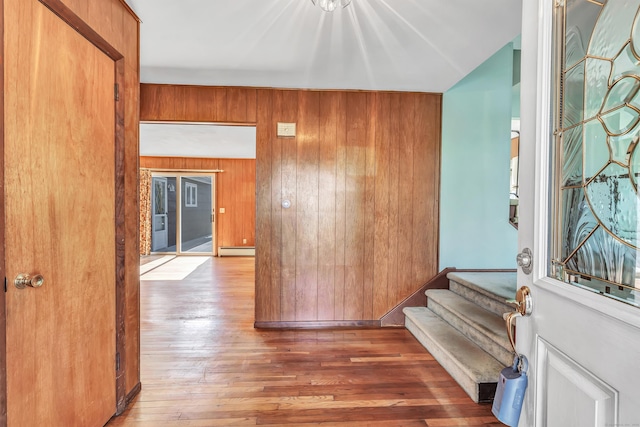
[
  {"x": 500, "y": 284},
  {"x": 474, "y": 369},
  {"x": 490, "y": 290},
  {"x": 483, "y": 327}
]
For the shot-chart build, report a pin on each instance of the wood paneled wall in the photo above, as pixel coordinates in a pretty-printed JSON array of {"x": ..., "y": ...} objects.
[
  {"x": 197, "y": 104},
  {"x": 362, "y": 176},
  {"x": 235, "y": 192},
  {"x": 179, "y": 163}
]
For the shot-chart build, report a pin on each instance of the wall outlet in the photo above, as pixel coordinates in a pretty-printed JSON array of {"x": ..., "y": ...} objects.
[
  {"x": 221, "y": 210},
  {"x": 244, "y": 241}
]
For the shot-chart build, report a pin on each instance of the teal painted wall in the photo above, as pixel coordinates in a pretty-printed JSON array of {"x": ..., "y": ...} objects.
[{"x": 474, "y": 200}]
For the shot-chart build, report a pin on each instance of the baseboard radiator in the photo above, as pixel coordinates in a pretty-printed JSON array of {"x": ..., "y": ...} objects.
[{"x": 236, "y": 251}]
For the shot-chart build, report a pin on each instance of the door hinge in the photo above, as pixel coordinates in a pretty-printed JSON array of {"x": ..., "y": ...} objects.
[
  {"x": 117, "y": 362},
  {"x": 116, "y": 91},
  {"x": 213, "y": 217}
]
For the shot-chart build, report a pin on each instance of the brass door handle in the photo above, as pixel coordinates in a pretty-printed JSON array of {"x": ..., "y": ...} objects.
[
  {"x": 23, "y": 280},
  {"x": 524, "y": 306}
]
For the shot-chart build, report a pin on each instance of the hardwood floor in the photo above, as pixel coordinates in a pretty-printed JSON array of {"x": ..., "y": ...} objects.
[{"x": 203, "y": 364}]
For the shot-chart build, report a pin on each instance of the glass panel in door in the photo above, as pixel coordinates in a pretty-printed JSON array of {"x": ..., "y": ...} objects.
[
  {"x": 159, "y": 222},
  {"x": 163, "y": 213},
  {"x": 196, "y": 219},
  {"x": 597, "y": 232}
]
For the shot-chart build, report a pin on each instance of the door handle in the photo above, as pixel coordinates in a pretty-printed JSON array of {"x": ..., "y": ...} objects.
[
  {"x": 524, "y": 307},
  {"x": 23, "y": 280}
]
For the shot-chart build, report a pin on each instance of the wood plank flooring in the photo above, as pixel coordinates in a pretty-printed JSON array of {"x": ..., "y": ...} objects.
[{"x": 203, "y": 364}]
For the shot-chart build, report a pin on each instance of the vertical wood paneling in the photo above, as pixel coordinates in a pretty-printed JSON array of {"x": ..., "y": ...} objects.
[
  {"x": 369, "y": 208},
  {"x": 197, "y": 104},
  {"x": 223, "y": 189},
  {"x": 327, "y": 132},
  {"x": 362, "y": 176},
  {"x": 288, "y": 113},
  {"x": 249, "y": 202},
  {"x": 222, "y": 102},
  {"x": 183, "y": 102},
  {"x": 405, "y": 281},
  {"x": 355, "y": 185},
  {"x": 426, "y": 185},
  {"x": 3, "y": 272},
  {"x": 275, "y": 179},
  {"x": 381, "y": 212},
  {"x": 252, "y": 105},
  {"x": 307, "y": 204},
  {"x": 268, "y": 293},
  {"x": 229, "y": 186},
  {"x": 151, "y": 96},
  {"x": 237, "y": 104},
  {"x": 341, "y": 207},
  {"x": 236, "y": 194},
  {"x": 132, "y": 257},
  {"x": 179, "y": 163},
  {"x": 394, "y": 208}
]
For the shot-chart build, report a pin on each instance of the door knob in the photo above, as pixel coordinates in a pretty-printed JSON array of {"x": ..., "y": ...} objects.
[
  {"x": 23, "y": 280},
  {"x": 524, "y": 306}
]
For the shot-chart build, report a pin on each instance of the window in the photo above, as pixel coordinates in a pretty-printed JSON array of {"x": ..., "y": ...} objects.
[
  {"x": 597, "y": 234},
  {"x": 191, "y": 195}
]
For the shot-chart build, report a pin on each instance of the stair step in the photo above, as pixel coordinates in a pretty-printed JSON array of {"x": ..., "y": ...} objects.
[
  {"x": 483, "y": 327},
  {"x": 474, "y": 369},
  {"x": 490, "y": 290}
]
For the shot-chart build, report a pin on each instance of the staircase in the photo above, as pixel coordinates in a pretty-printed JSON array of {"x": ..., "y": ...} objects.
[{"x": 462, "y": 327}]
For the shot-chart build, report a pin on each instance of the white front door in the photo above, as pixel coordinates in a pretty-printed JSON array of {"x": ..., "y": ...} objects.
[{"x": 579, "y": 215}]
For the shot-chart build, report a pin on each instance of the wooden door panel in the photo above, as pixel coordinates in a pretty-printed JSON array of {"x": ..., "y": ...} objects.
[{"x": 59, "y": 215}]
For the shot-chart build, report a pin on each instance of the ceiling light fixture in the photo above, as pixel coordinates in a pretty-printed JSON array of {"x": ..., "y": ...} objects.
[{"x": 330, "y": 5}]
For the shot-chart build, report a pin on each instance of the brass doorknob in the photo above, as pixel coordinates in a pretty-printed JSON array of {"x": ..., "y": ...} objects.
[{"x": 23, "y": 280}]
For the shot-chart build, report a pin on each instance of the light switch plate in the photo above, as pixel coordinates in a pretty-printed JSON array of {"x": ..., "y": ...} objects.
[{"x": 286, "y": 129}]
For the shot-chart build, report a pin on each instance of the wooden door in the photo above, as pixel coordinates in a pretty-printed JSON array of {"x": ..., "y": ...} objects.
[
  {"x": 59, "y": 221},
  {"x": 582, "y": 338}
]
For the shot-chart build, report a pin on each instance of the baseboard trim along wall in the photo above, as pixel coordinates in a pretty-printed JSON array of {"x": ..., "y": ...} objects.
[
  {"x": 236, "y": 251},
  {"x": 329, "y": 324}
]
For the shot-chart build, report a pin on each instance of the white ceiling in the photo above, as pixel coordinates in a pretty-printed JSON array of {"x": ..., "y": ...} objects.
[
  {"x": 197, "y": 140},
  {"x": 414, "y": 45},
  {"x": 407, "y": 45}
]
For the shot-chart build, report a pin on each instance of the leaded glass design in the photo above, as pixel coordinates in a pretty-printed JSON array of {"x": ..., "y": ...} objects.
[{"x": 598, "y": 128}]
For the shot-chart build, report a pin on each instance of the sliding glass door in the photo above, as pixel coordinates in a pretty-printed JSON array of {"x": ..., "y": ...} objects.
[{"x": 183, "y": 213}]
